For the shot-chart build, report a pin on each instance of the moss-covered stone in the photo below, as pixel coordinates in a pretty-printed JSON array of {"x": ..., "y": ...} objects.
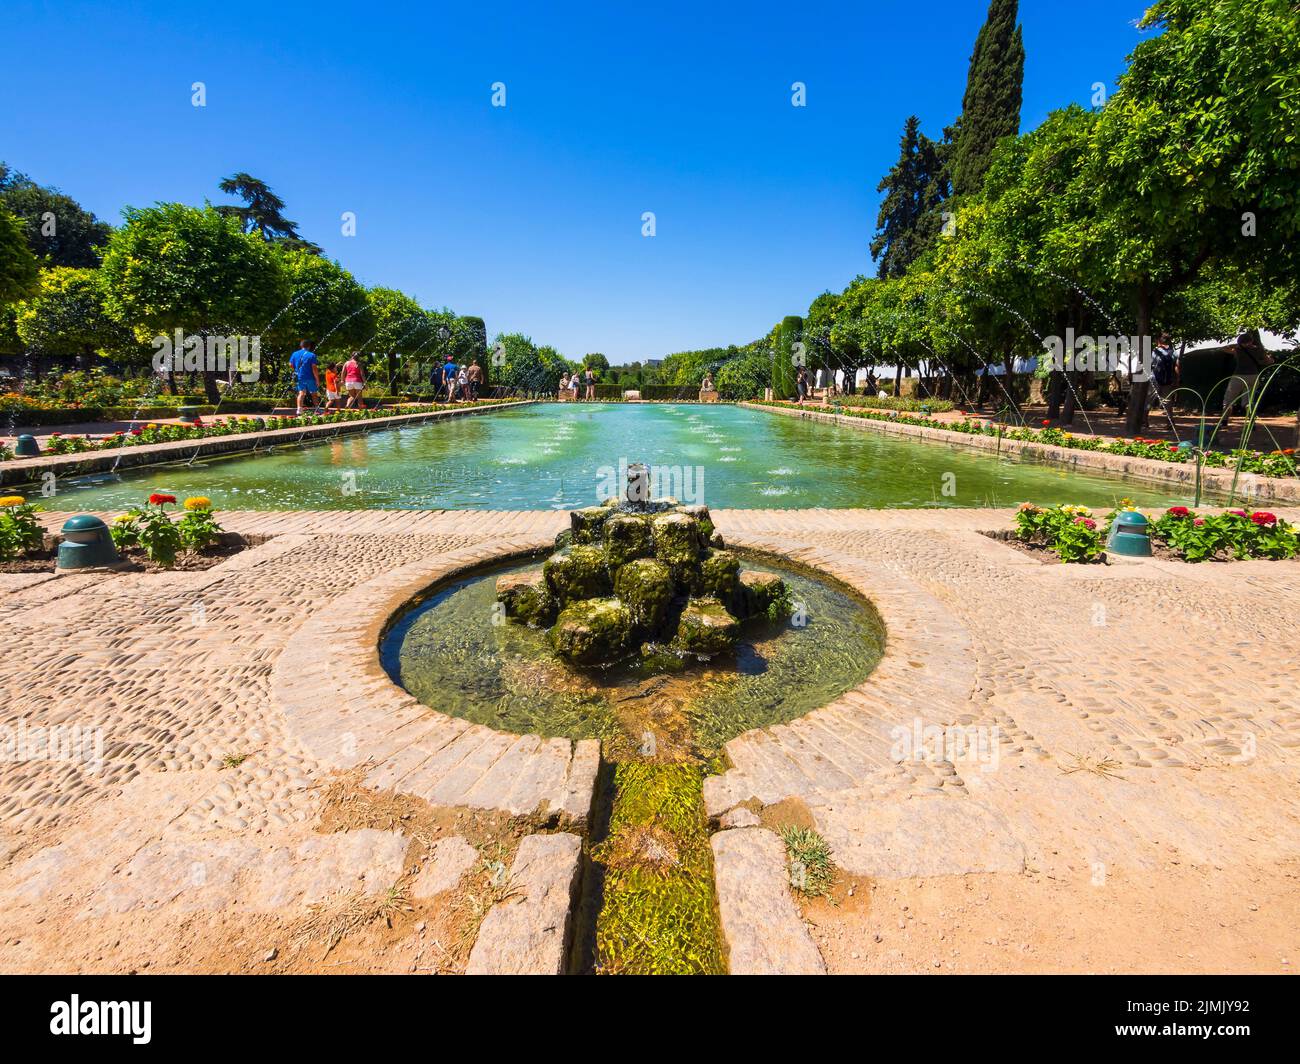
[
  {"x": 702, "y": 517},
  {"x": 661, "y": 659},
  {"x": 676, "y": 539},
  {"x": 646, "y": 586},
  {"x": 705, "y": 627},
  {"x": 763, "y": 594},
  {"x": 588, "y": 523},
  {"x": 564, "y": 539},
  {"x": 627, "y": 537},
  {"x": 526, "y": 598},
  {"x": 720, "y": 577},
  {"x": 596, "y": 631},
  {"x": 577, "y": 572}
]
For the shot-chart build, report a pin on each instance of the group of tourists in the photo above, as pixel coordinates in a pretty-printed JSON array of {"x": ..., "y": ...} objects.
[
  {"x": 308, "y": 383},
  {"x": 569, "y": 385},
  {"x": 457, "y": 383}
]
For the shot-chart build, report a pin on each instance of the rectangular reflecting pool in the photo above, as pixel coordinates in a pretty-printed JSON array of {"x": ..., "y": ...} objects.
[{"x": 563, "y": 456}]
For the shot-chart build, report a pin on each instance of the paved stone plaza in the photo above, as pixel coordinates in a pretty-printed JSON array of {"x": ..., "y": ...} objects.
[{"x": 1140, "y": 725}]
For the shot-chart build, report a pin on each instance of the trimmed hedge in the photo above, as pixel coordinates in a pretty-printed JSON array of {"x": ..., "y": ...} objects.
[{"x": 933, "y": 406}]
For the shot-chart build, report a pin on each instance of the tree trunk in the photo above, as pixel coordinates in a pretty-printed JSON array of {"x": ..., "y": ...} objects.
[
  {"x": 898, "y": 381},
  {"x": 210, "y": 391},
  {"x": 1137, "y": 410}
]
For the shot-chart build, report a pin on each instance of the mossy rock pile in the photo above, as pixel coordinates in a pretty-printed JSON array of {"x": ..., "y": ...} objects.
[{"x": 624, "y": 577}]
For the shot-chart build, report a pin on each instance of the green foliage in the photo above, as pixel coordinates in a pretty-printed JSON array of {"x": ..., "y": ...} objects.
[
  {"x": 785, "y": 337},
  {"x": 812, "y": 872},
  {"x": 177, "y": 267},
  {"x": 658, "y": 915},
  {"x": 198, "y": 529},
  {"x": 66, "y": 316},
  {"x": 1239, "y": 534},
  {"x": 1070, "y": 532},
  {"x": 929, "y": 406},
  {"x": 19, "y": 269},
  {"x": 59, "y": 232},
  {"x": 913, "y": 188},
  {"x": 20, "y": 528},
  {"x": 326, "y": 304},
  {"x": 991, "y": 106},
  {"x": 263, "y": 213}
]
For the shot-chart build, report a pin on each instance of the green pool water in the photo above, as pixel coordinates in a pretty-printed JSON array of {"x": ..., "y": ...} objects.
[
  {"x": 563, "y": 456},
  {"x": 453, "y": 653}
]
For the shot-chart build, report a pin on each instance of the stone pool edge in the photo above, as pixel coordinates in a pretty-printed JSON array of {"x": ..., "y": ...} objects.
[
  {"x": 1213, "y": 481},
  {"x": 27, "y": 470}
]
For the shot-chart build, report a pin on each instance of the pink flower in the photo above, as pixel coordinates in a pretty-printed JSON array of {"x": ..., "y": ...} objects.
[{"x": 1087, "y": 523}]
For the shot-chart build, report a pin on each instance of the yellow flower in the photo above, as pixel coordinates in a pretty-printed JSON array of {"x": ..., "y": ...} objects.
[
  {"x": 198, "y": 502},
  {"x": 12, "y": 500},
  {"x": 122, "y": 519}
]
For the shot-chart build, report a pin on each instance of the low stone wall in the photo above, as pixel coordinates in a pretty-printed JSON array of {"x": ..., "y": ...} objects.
[
  {"x": 28, "y": 470},
  {"x": 1173, "y": 474}
]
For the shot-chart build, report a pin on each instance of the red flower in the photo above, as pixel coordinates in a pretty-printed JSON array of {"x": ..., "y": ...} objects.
[
  {"x": 1261, "y": 518},
  {"x": 157, "y": 499},
  {"x": 1179, "y": 511},
  {"x": 1199, "y": 521},
  {"x": 1238, "y": 513},
  {"x": 1046, "y": 422},
  {"x": 135, "y": 432},
  {"x": 1087, "y": 523}
]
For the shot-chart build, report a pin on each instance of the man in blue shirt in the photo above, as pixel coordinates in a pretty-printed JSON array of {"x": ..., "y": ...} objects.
[
  {"x": 449, "y": 378},
  {"x": 306, "y": 373}
]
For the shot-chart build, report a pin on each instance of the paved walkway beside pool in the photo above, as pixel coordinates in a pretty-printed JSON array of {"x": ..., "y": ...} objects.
[{"x": 1097, "y": 727}]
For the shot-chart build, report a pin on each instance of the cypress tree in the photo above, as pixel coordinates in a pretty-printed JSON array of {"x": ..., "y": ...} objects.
[
  {"x": 991, "y": 106},
  {"x": 787, "y": 334}
]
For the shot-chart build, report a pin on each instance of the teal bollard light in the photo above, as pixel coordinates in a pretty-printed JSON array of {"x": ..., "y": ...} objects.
[
  {"x": 26, "y": 447},
  {"x": 1129, "y": 536},
  {"x": 86, "y": 544}
]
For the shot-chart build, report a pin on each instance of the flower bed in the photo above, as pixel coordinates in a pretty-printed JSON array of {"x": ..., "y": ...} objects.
[
  {"x": 1074, "y": 534},
  {"x": 148, "y": 537},
  {"x": 1280, "y": 463}
]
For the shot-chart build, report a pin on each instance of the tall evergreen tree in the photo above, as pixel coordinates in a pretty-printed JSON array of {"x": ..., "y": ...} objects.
[
  {"x": 910, "y": 188},
  {"x": 264, "y": 213},
  {"x": 991, "y": 106}
]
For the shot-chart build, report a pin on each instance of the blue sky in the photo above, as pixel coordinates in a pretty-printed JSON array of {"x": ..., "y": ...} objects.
[{"x": 530, "y": 215}]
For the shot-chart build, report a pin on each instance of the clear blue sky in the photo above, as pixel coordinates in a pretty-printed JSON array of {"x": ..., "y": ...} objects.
[{"x": 530, "y": 215}]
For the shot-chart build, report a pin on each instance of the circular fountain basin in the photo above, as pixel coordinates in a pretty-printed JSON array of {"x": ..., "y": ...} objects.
[{"x": 453, "y": 652}]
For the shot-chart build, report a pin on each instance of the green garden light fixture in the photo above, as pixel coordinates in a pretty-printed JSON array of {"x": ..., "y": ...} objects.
[
  {"x": 86, "y": 544},
  {"x": 1129, "y": 536},
  {"x": 26, "y": 447}
]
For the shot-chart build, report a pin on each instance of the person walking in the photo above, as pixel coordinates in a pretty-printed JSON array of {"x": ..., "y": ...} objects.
[
  {"x": 475, "y": 376},
  {"x": 1251, "y": 358},
  {"x": 590, "y": 378},
  {"x": 449, "y": 378},
  {"x": 332, "y": 388},
  {"x": 306, "y": 373},
  {"x": 801, "y": 384},
  {"x": 354, "y": 380},
  {"x": 462, "y": 383}
]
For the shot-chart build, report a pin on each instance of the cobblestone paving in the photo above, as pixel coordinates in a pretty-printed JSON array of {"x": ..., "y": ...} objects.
[{"x": 1171, "y": 680}]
